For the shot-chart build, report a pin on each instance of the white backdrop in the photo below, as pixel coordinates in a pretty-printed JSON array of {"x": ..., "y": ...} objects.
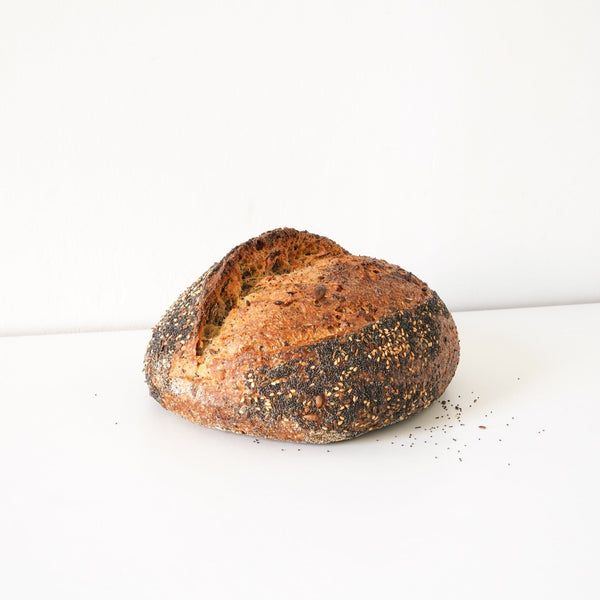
[{"x": 140, "y": 141}]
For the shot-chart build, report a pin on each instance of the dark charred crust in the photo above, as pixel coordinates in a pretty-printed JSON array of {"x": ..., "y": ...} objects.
[
  {"x": 364, "y": 379},
  {"x": 178, "y": 324}
]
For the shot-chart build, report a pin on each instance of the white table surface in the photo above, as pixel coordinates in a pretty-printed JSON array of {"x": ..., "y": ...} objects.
[{"x": 107, "y": 495}]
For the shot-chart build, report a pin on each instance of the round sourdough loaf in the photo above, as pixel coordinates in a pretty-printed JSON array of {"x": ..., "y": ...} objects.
[{"x": 291, "y": 337}]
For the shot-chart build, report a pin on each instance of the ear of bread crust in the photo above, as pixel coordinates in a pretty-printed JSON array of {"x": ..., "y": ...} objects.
[{"x": 196, "y": 316}]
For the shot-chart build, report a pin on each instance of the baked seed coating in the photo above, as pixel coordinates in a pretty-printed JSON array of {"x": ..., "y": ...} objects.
[{"x": 377, "y": 371}]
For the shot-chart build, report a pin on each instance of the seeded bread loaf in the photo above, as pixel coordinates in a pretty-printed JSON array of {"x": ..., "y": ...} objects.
[{"x": 291, "y": 337}]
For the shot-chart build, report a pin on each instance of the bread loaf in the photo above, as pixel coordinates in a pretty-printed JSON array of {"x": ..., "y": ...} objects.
[{"x": 290, "y": 337}]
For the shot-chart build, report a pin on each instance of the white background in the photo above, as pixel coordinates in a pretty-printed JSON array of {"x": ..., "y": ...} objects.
[{"x": 140, "y": 141}]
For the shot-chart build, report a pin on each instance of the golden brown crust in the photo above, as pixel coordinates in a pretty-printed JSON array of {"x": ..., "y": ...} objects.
[
  {"x": 290, "y": 337},
  {"x": 209, "y": 298}
]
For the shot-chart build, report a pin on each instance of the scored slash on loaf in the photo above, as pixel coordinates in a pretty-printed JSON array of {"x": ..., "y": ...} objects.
[{"x": 291, "y": 337}]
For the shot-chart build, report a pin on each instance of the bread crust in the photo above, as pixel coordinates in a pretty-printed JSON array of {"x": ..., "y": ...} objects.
[{"x": 368, "y": 346}]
